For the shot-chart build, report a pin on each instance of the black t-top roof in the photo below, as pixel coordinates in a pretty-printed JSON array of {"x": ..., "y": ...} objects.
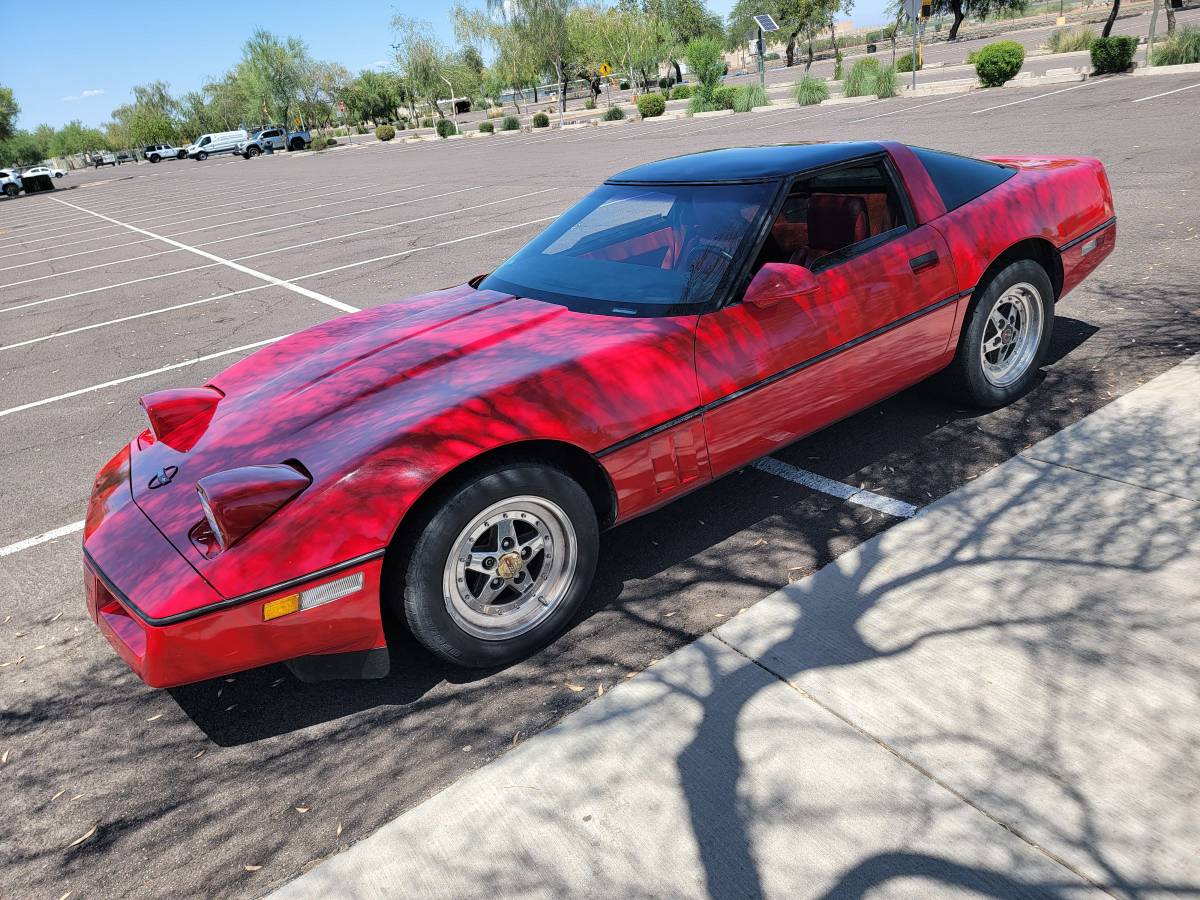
[{"x": 745, "y": 163}]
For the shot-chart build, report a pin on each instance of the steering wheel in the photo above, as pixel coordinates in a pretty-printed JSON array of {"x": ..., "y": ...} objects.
[{"x": 707, "y": 245}]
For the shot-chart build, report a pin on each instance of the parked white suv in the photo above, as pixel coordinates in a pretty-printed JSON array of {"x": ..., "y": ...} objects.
[
  {"x": 158, "y": 152},
  {"x": 10, "y": 183}
]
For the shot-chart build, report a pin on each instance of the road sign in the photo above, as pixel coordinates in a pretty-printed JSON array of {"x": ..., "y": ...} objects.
[
  {"x": 766, "y": 23},
  {"x": 605, "y": 70}
]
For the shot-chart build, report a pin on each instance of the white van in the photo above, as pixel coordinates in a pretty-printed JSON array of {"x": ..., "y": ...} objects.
[{"x": 217, "y": 142}]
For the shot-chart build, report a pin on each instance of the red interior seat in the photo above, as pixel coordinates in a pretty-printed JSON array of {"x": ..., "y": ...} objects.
[{"x": 834, "y": 221}]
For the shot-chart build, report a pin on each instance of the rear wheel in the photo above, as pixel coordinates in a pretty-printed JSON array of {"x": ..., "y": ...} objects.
[
  {"x": 1005, "y": 337},
  {"x": 297, "y": 143},
  {"x": 182, "y": 154},
  {"x": 11, "y": 190},
  {"x": 500, "y": 567},
  {"x": 201, "y": 156},
  {"x": 155, "y": 158}
]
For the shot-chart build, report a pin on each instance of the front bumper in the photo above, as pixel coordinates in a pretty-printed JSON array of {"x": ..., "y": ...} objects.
[{"x": 172, "y": 627}]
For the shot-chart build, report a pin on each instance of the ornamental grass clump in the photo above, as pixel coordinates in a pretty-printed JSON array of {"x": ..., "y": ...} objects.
[
  {"x": 749, "y": 96},
  {"x": 1180, "y": 48},
  {"x": 811, "y": 91},
  {"x": 861, "y": 80}
]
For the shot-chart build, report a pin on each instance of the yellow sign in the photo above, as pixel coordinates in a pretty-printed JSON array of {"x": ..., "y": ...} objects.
[{"x": 605, "y": 70}]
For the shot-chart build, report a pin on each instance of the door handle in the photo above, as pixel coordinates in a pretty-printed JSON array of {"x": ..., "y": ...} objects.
[{"x": 924, "y": 261}]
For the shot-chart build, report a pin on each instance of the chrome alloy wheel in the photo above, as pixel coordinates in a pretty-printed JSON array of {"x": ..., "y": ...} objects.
[
  {"x": 1012, "y": 335},
  {"x": 510, "y": 568}
]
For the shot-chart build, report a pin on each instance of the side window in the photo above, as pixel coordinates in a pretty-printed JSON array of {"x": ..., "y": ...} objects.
[
  {"x": 827, "y": 216},
  {"x": 206, "y": 141},
  {"x": 960, "y": 179}
]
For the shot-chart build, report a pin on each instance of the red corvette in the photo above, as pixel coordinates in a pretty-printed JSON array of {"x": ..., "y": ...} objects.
[{"x": 451, "y": 458}]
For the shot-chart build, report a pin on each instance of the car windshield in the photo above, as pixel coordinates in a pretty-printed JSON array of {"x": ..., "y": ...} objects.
[{"x": 625, "y": 246}]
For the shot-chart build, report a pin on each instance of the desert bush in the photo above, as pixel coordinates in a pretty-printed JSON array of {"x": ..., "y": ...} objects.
[
  {"x": 496, "y": 112},
  {"x": 681, "y": 92},
  {"x": 385, "y": 132},
  {"x": 666, "y": 82},
  {"x": 651, "y": 105},
  {"x": 624, "y": 84},
  {"x": 487, "y": 127},
  {"x": 589, "y": 103},
  {"x": 1113, "y": 54},
  {"x": 770, "y": 57},
  {"x": 1070, "y": 40},
  {"x": 861, "y": 80},
  {"x": 541, "y": 120},
  {"x": 886, "y": 84},
  {"x": 998, "y": 62},
  {"x": 724, "y": 96},
  {"x": 905, "y": 63},
  {"x": 972, "y": 57},
  {"x": 613, "y": 114},
  {"x": 427, "y": 122},
  {"x": 706, "y": 63},
  {"x": 360, "y": 129},
  {"x": 1180, "y": 48},
  {"x": 811, "y": 90},
  {"x": 445, "y": 128},
  {"x": 749, "y": 96},
  {"x": 510, "y": 123}
]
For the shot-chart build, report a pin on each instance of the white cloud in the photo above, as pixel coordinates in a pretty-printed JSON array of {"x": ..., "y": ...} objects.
[{"x": 83, "y": 95}]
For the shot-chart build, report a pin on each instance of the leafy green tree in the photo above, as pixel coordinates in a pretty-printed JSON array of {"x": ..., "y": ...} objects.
[
  {"x": 9, "y": 110},
  {"x": 271, "y": 72},
  {"x": 25, "y": 148},
  {"x": 704, "y": 58},
  {"x": 683, "y": 21},
  {"x": 422, "y": 62},
  {"x": 979, "y": 9},
  {"x": 75, "y": 137}
]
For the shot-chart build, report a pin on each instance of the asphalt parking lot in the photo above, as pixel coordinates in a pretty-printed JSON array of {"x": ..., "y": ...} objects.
[{"x": 136, "y": 279}]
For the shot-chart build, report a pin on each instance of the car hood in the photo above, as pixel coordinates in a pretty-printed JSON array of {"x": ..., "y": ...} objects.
[{"x": 330, "y": 397}]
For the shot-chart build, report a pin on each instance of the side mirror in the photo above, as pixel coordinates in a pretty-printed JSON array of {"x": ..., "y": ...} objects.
[{"x": 779, "y": 281}]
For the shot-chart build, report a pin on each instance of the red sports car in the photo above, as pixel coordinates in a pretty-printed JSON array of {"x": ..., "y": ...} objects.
[{"x": 450, "y": 459}]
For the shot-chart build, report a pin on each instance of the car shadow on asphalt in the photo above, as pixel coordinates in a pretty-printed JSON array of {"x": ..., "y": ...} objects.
[{"x": 634, "y": 560}]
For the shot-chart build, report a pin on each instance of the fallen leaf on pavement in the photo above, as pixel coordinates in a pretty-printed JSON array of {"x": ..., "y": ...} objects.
[
  {"x": 574, "y": 687},
  {"x": 198, "y": 754},
  {"x": 79, "y": 840},
  {"x": 59, "y": 794},
  {"x": 154, "y": 718},
  {"x": 251, "y": 868},
  {"x": 302, "y": 809},
  {"x": 600, "y": 690},
  {"x": 4, "y": 757},
  {"x": 339, "y": 831},
  {"x": 66, "y": 895}
]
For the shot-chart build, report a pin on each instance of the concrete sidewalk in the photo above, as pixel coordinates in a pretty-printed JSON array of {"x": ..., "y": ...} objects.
[{"x": 1000, "y": 695}]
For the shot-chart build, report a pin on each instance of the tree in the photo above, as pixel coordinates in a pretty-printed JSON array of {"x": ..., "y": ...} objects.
[
  {"x": 514, "y": 66},
  {"x": 75, "y": 138},
  {"x": 422, "y": 62},
  {"x": 271, "y": 72},
  {"x": 705, "y": 60},
  {"x": 683, "y": 21},
  {"x": 23, "y": 148},
  {"x": 1112, "y": 16},
  {"x": 541, "y": 25},
  {"x": 980, "y": 9},
  {"x": 9, "y": 110}
]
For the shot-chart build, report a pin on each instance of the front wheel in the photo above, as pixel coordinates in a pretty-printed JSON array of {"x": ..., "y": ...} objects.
[
  {"x": 59, "y": 174},
  {"x": 1005, "y": 337},
  {"x": 251, "y": 152},
  {"x": 201, "y": 156},
  {"x": 500, "y": 567},
  {"x": 11, "y": 190},
  {"x": 182, "y": 154}
]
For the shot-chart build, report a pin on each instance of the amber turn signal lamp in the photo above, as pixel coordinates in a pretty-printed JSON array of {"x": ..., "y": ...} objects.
[{"x": 237, "y": 501}]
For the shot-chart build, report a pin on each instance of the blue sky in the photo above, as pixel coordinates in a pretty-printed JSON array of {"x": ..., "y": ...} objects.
[{"x": 91, "y": 54}]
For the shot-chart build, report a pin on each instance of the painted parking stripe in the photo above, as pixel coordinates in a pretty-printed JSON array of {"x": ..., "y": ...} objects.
[
  {"x": 1036, "y": 97},
  {"x": 237, "y": 267},
  {"x": 106, "y": 287},
  {"x": 909, "y": 108},
  {"x": 838, "y": 489},
  {"x": 1166, "y": 93},
  {"x": 53, "y": 535},
  {"x": 127, "y": 378}
]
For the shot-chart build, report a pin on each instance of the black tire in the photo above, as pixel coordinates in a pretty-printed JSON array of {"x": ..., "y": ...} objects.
[
  {"x": 11, "y": 190},
  {"x": 297, "y": 144},
  {"x": 182, "y": 154},
  {"x": 201, "y": 156},
  {"x": 252, "y": 152},
  {"x": 966, "y": 378},
  {"x": 414, "y": 586},
  {"x": 155, "y": 158},
  {"x": 58, "y": 174}
]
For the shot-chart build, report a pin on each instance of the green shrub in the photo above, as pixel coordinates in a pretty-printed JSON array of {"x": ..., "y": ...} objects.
[
  {"x": 666, "y": 82},
  {"x": 651, "y": 105},
  {"x": 385, "y": 132},
  {"x": 972, "y": 57},
  {"x": 749, "y": 96},
  {"x": 1180, "y": 48},
  {"x": 999, "y": 62},
  {"x": 1070, "y": 40},
  {"x": 495, "y": 112},
  {"x": 905, "y": 63},
  {"x": 770, "y": 57},
  {"x": 589, "y": 103},
  {"x": 681, "y": 92},
  {"x": 510, "y": 123},
  {"x": 886, "y": 83},
  {"x": 360, "y": 129},
  {"x": 723, "y": 97},
  {"x": 861, "y": 80},
  {"x": 541, "y": 120},
  {"x": 706, "y": 63},
  {"x": 427, "y": 122},
  {"x": 624, "y": 84},
  {"x": 445, "y": 128},
  {"x": 811, "y": 90},
  {"x": 487, "y": 127},
  {"x": 1113, "y": 54},
  {"x": 613, "y": 114}
]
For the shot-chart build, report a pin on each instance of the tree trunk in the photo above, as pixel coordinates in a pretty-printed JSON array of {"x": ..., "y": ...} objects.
[
  {"x": 956, "y": 8},
  {"x": 535, "y": 100},
  {"x": 1170, "y": 17},
  {"x": 562, "y": 86},
  {"x": 678, "y": 71},
  {"x": 1112, "y": 17},
  {"x": 808, "y": 62},
  {"x": 833, "y": 38},
  {"x": 791, "y": 50}
]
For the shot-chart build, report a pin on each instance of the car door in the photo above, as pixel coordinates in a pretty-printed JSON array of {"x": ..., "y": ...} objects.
[{"x": 878, "y": 321}]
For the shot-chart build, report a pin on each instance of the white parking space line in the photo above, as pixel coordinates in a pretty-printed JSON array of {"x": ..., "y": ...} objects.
[
  {"x": 1077, "y": 87},
  {"x": 1166, "y": 93},
  {"x": 103, "y": 265},
  {"x": 908, "y": 108},
  {"x": 106, "y": 287},
  {"x": 138, "y": 376},
  {"x": 858, "y": 496},
  {"x": 237, "y": 267},
  {"x": 52, "y": 535},
  {"x": 127, "y": 378}
]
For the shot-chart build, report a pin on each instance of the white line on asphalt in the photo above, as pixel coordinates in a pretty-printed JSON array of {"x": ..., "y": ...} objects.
[
  {"x": 106, "y": 287},
  {"x": 96, "y": 387},
  {"x": 909, "y": 109},
  {"x": 52, "y": 535},
  {"x": 1167, "y": 93},
  {"x": 1037, "y": 97},
  {"x": 237, "y": 267},
  {"x": 103, "y": 265},
  {"x": 127, "y": 378},
  {"x": 842, "y": 491}
]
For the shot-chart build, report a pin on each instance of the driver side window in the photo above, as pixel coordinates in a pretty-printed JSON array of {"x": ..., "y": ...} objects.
[{"x": 830, "y": 216}]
